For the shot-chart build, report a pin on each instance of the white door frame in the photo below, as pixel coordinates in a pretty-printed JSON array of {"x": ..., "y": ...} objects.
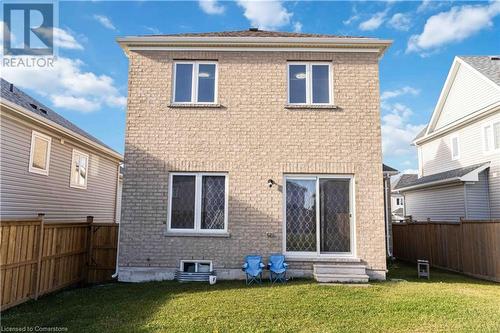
[{"x": 352, "y": 222}]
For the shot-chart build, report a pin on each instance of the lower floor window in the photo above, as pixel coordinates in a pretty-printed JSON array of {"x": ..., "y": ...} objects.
[
  {"x": 198, "y": 202},
  {"x": 318, "y": 212}
]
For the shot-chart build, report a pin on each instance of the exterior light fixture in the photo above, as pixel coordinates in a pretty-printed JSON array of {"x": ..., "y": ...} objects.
[{"x": 270, "y": 183}]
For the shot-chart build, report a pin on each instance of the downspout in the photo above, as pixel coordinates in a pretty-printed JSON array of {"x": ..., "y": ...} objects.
[
  {"x": 387, "y": 216},
  {"x": 115, "y": 274}
]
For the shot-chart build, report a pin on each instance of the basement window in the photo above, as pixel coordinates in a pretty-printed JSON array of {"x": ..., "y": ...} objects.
[{"x": 196, "y": 266}]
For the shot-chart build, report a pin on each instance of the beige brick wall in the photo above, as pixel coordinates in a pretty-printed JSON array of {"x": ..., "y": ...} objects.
[{"x": 252, "y": 138}]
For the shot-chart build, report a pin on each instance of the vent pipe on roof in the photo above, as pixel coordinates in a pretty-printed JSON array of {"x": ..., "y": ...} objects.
[
  {"x": 11, "y": 87},
  {"x": 253, "y": 29}
]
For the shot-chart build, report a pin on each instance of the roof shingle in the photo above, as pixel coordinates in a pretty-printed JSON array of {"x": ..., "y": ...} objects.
[
  {"x": 489, "y": 66},
  {"x": 408, "y": 180},
  {"x": 253, "y": 33},
  {"x": 25, "y": 101}
]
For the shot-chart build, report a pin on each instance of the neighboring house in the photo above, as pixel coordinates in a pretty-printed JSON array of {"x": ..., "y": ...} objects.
[
  {"x": 459, "y": 150},
  {"x": 397, "y": 201},
  {"x": 50, "y": 166},
  {"x": 253, "y": 142}
]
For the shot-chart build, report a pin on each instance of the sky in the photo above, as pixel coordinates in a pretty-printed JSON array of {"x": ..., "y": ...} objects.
[{"x": 88, "y": 84}]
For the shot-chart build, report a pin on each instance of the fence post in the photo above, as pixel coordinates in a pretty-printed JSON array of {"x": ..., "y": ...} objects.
[
  {"x": 39, "y": 259},
  {"x": 461, "y": 244},
  {"x": 88, "y": 259}
]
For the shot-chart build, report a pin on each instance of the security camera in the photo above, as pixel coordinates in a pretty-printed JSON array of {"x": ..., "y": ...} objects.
[{"x": 270, "y": 183}]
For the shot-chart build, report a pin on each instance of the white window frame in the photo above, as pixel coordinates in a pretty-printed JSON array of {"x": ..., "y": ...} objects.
[
  {"x": 309, "y": 82},
  {"x": 491, "y": 137},
  {"x": 194, "y": 81},
  {"x": 196, "y": 262},
  {"x": 457, "y": 155},
  {"x": 71, "y": 180},
  {"x": 48, "y": 139},
  {"x": 352, "y": 209},
  {"x": 197, "y": 203}
]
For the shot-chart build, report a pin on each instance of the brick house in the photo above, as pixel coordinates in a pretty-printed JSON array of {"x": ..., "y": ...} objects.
[{"x": 252, "y": 142}]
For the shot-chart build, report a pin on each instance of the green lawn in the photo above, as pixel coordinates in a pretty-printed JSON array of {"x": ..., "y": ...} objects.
[{"x": 447, "y": 302}]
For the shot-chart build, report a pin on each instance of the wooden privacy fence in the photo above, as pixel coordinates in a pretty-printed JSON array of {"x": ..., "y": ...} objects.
[
  {"x": 37, "y": 258},
  {"x": 469, "y": 247}
]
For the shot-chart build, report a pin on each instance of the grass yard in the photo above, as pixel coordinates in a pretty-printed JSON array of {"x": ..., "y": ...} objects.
[{"x": 448, "y": 302}]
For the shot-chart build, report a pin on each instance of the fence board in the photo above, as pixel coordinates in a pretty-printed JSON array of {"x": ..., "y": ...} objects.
[
  {"x": 469, "y": 247},
  {"x": 37, "y": 258}
]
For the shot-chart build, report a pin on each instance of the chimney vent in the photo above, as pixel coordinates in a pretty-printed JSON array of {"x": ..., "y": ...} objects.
[{"x": 253, "y": 29}]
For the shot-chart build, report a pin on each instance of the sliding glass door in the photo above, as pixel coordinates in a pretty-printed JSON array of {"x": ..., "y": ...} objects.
[{"x": 318, "y": 215}]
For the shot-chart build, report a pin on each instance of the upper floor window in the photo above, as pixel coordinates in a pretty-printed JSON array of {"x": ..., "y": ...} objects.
[
  {"x": 491, "y": 137},
  {"x": 455, "y": 147},
  {"x": 79, "y": 169},
  {"x": 195, "y": 82},
  {"x": 40, "y": 153},
  {"x": 198, "y": 202},
  {"x": 309, "y": 83}
]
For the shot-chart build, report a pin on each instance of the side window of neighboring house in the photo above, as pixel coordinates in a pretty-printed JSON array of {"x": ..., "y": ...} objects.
[
  {"x": 40, "y": 153},
  {"x": 310, "y": 83},
  {"x": 198, "y": 202},
  {"x": 195, "y": 82},
  {"x": 491, "y": 137},
  {"x": 455, "y": 147},
  {"x": 79, "y": 169}
]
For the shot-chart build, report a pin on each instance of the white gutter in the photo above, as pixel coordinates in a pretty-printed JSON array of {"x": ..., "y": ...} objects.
[{"x": 53, "y": 125}]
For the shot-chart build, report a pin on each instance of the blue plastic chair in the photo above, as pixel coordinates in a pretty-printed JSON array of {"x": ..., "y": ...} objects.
[
  {"x": 277, "y": 268},
  {"x": 253, "y": 269}
]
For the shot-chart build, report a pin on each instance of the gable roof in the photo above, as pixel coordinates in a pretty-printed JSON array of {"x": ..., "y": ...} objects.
[
  {"x": 469, "y": 173},
  {"x": 388, "y": 168},
  {"x": 489, "y": 66},
  {"x": 487, "y": 69},
  {"x": 404, "y": 180},
  {"x": 252, "y": 32},
  {"x": 28, "y": 103},
  {"x": 253, "y": 40}
]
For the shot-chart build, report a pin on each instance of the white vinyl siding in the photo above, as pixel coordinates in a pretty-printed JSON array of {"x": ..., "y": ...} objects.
[
  {"x": 435, "y": 156},
  {"x": 438, "y": 204},
  {"x": 27, "y": 194},
  {"x": 469, "y": 93},
  {"x": 478, "y": 203}
]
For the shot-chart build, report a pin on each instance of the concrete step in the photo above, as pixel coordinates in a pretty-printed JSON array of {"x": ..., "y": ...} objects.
[
  {"x": 340, "y": 269},
  {"x": 352, "y": 278}
]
